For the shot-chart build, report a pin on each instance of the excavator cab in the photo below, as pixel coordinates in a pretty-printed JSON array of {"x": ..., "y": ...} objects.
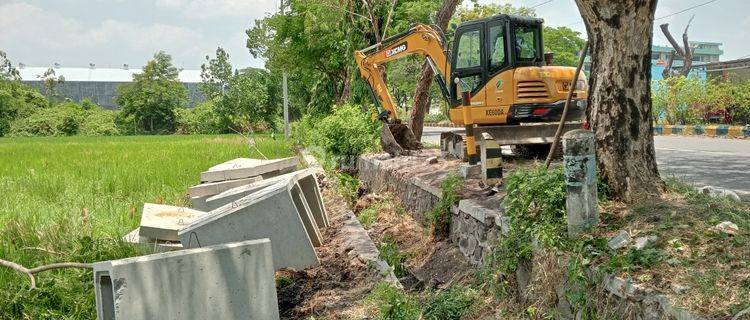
[{"x": 486, "y": 47}]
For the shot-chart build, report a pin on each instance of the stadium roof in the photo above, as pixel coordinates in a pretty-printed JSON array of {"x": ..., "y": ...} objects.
[{"x": 99, "y": 74}]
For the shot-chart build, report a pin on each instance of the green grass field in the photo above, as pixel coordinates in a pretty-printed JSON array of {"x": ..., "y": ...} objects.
[{"x": 72, "y": 199}]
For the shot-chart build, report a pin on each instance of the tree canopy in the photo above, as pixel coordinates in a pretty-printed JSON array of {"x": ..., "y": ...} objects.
[{"x": 150, "y": 101}]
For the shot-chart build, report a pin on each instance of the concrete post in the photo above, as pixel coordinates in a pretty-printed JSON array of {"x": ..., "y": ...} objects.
[{"x": 580, "y": 179}]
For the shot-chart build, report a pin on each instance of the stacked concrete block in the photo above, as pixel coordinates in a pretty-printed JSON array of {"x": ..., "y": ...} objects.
[
  {"x": 235, "y": 173},
  {"x": 159, "y": 221},
  {"x": 227, "y": 281},
  {"x": 212, "y": 188},
  {"x": 305, "y": 179},
  {"x": 157, "y": 245},
  {"x": 278, "y": 212},
  {"x": 242, "y": 168}
]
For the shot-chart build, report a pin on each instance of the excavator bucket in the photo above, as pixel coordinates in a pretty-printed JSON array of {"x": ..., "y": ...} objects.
[{"x": 397, "y": 139}]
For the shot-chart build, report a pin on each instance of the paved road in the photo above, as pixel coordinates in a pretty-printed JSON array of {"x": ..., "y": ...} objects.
[{"x": 697, "y": 160}]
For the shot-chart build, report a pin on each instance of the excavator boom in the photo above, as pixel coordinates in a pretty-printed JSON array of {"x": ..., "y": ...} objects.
[{"x": 420, "y": 39}]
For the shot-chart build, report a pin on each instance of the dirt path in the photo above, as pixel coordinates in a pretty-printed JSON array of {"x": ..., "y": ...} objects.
[{"x": 334, "y": 289}]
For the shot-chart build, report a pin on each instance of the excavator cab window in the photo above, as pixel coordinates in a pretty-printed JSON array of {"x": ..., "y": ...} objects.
[
  {"x": 483, "y": 48},
  {"x": 527, "y": 44}
]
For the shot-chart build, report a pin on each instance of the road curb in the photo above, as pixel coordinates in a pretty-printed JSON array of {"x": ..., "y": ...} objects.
[{"x": 727, "y": 131}]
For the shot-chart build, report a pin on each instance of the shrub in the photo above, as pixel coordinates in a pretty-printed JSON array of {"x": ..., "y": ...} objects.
[
  {"x": 535, "y": 204},
  {"x": 61, "y": 120},
  {"x": 201, "y": 119},
  {"x": 344, "y": 134},
  {"x": 99, "y": 122},
  {"x": 17, "y": 101}
]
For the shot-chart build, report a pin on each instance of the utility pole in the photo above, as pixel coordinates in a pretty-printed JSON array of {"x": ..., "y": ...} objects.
[
  {"x": 286, "y": 108},
  {"x": 285, "y": 90}
]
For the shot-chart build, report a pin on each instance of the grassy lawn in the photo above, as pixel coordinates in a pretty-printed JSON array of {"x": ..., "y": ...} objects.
[{"x": 72, "y": 198}]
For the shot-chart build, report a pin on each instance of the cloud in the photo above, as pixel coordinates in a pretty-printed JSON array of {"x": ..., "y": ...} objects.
[
  {"x": 35, "y": 32},
  {"x": 218, "y": 9}
]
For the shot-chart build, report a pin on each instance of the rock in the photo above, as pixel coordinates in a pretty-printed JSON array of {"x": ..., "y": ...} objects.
[
  {"x": 715, "y": 192},
  {"x": 678, "y": 288},
  {"x": 727, "y": 227},
  {"x": 642, "y": 242},
  {"x": 432, "y": 160},
  {"x": 619, "y": 241},
  {"x": 470, "y": 171}
]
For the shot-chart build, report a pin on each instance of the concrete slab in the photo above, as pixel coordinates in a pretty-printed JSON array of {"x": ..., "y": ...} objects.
[
  {"x": 305, "y": 178},
  {"x": 199, "y": 203},
  {"x": 159, "y": 221},
  {"x": 241, "y": 168},
  {"x": 136, "y": 238},
  {"x": 268, "y": 213},
  {"x": 309, "y": 184},
  {"x": 212, "y": 188},
  {"x": 221, "y": 199},
  {"x": 228, "y": 281}
]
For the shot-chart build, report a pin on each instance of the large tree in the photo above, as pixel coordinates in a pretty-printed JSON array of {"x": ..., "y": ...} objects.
[
  {"x": 216, "y": 74},
  {"x": 620, "y": 34},
  {"x": 150, "y": 101},
  {"x": 422, "y": 92}
]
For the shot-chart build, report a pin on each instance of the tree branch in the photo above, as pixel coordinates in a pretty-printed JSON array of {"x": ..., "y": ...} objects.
[
  {"x": 675, "y": 45},
  {"x": 31, "y": 272},
  {"x": 387, "y": 20}
]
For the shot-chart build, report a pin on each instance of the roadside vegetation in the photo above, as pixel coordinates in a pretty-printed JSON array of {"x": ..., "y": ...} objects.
[
  {"x": 690, "y": 100},
  {"x": 71, "y": 199}
]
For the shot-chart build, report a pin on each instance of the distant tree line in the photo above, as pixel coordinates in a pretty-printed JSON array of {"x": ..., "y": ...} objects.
[{"x": 154, "y": 103}]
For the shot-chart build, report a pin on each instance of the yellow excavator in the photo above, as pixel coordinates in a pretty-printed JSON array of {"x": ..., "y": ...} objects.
[{"x": 496, "y": 79}]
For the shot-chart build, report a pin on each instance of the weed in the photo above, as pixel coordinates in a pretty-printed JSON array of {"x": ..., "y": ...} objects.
[
  {"x": 633, "y": 259},
  {"x": 536, "y": 206},
  {"x": 439, "y": 215},
  {"x": 393, "y": 304},
  {"x": 368, "y": 216},
  {"x": 284, "y": 281},
  {"x": 389, "y": 251},
  {"x": 348, "y": 187},
  {"x": 449, "y": 304}
]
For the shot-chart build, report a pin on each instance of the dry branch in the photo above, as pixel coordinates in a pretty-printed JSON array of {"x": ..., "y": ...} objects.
[{"x": 32, "y": 271}]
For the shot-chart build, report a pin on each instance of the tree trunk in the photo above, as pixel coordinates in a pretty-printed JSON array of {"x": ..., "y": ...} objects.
[
  {"x": 422, "y": 93},
  {"x": 620, "y": 33}
]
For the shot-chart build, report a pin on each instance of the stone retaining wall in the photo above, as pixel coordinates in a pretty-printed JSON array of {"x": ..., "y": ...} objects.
[{"x": 475, "y": 224}]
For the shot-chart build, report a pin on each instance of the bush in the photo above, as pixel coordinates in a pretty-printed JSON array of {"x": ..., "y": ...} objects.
[
  {"x": 99, "y": 122},
  {"x": 344, "y": 134},
  {"x": 62, "y": 120},
  {"x": 17, "y": 101},
  {"x": 201, "y": 119}
]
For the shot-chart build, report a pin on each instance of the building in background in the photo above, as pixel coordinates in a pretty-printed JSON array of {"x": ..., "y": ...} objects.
[
  {"x": 705, "y": 53},
  {"x": 100, "y": 84}
]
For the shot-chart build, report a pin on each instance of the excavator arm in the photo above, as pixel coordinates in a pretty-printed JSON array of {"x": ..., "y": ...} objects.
[{"x": 420, "y": 39}]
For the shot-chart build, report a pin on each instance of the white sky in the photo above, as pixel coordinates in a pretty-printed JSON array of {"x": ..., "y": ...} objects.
[{"x": 110, "y": 33}]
